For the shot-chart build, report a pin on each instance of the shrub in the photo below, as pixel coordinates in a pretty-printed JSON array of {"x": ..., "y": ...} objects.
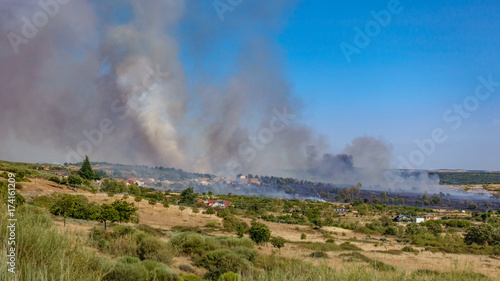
[
  {"x": 152, "y": 248},
  {"x": 158, "y": 271},
  {"x": 186, "y": 268},
  {"x": 191, "y": 277},
  {"x": 330, "y": 240},
  {"x": 319, "y": 255},
  {"x": 409, "y": 249},
  {"x": 55, "y": 179},
  {"x": 246, "y": 253},
  {"x": 259, "y": 233},
  {"x": 303, "y": 236},
  {"x": 221, "y": 261},
  {"x": 229, "y": 276},
  {"x": 128, "y": 272},
  {"x": 192, "y": 243}
]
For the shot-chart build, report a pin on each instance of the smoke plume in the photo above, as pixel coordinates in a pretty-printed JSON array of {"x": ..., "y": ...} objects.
[{"x": 150, "y": 86}]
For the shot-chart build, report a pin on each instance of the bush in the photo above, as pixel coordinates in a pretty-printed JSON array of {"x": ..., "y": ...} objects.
[
  {"x": 259, "y": 233},
  {"x": 319, "y": 255},
  {"x": 55, "y": 179},
  {"x": 192, "y": 243},
  {"x": 229, "y": 276},
  {"x": 191, "y": 277},
  {"x": 186, "y": 268},
  {"x": 158, "y": 271},
  {"x": 152, "y": 248},
  {"x": 221, "y": 261},
  {"x": 128, "y": 272},
  {"x": 409, "y": 249},
  {"x": 246, "y": 253},
  {"x": 303, "y": 236}
]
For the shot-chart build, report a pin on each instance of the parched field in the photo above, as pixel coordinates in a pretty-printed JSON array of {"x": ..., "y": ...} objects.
[{"x": 376, "y": 247}]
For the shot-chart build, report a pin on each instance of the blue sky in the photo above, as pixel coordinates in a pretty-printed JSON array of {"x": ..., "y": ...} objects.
[
  {"x": 426, "y": 60},
  {"x": 398, "y": 88}
]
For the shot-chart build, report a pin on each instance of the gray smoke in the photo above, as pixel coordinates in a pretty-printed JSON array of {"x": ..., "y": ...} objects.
[{"x": 119, "y": 91}]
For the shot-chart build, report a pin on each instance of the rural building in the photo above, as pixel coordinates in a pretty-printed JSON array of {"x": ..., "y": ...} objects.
[
  {"x": 402, "y": 218},
  {"x": 419, "y": 220},
  {"x": 221, "y": 204},
  {"x": 341, "y": 211},
  {"x": 431, "y": 218}
]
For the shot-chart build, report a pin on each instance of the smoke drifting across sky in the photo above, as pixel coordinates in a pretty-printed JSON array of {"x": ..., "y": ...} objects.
[{"x": 148, "y": 85}]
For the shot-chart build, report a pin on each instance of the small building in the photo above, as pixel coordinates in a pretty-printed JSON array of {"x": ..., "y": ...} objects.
[
  {"x": 341, "y": 211},
  {"x": 402, "y": 218},
  {"x": 431, "y": 218},
  {"x": 419, "y": 220}
]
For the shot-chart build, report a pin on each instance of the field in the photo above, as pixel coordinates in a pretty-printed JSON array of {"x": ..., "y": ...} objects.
[
  {"x": 377, "y": 247},
  {"x": 176, "y": 240}
]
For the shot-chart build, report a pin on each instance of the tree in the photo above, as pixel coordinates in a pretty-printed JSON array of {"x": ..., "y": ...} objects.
[
  {"x": 278, "y": 242},
  {"x": 165, "y": 204},
  {"x": 241, "y": 229},
  {"x": 259, "y": 233},
  {"x": 74, "y": 179},
  {"x": 210, "y": 211},
  {"x": 137, "y": 199},
  {"x": 195, "y": 210},
  {"x": 127, "y": 212},
  {"x": 152, "y": 202},
  {"x": 108, "y": 213},
  {"x": 85, "y": 171},
  {"x": 482, "y": 235},
  {"x": 188, "y": 196}
]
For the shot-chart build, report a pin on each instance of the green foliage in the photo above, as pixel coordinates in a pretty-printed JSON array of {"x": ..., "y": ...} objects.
[
  {"x": 481, "y": 235},
  {"x": 278, "y": 242},
  {"x": 85, "y": 171},
  {"x": 259, "y": 233},
  {"x": 127, "y": 212},
  {"x": 229, "y": 276},
  {"x": 319, "y": 255},
  {"x": 108, "y": 213},
  {"x": 210, "y": 211},
  {"x": 74, "y": 179},
  {"x": 303, "y": 236},
  {"x": 55, "y": 179},
  {"x": 457, "y": 223},
  {"x": 220, "y": 261},
  {"x": 191, "y": 277},
  {"x": 188, "y": 196},
  {"x": 63, "y": 255},
  {"x": 409, "y": 249}
]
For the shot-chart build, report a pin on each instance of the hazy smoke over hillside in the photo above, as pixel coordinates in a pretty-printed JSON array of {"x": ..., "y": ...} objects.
[{"x": 119, "y": 90}]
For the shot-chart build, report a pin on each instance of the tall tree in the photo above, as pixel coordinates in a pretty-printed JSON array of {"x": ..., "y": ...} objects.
[
  {"x": 109, "y": 213},
  {"x": 85, "y": 171},
  {"x": 188, "y": 196}
]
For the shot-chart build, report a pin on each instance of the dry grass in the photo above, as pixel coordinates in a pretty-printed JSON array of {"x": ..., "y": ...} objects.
[{"x": 166, "y": 218}]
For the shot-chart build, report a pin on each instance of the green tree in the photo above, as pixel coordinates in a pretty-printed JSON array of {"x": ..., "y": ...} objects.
[
  {"x": 278, "y": 242},
  {"x": 188, "y": 196},
  {"x": 259, "y": 233},
  {"x": 195, "y": 210},
  {"x": 74, "y": 179},
  {"x": 210, "y": 211},
  {"x": 85, "y": 171},
  {"x": 482, "y": 235},
  {"x": 165, "y": 204},
  {"x": 108, "y": 213},
  {"x": 127, "y": 212},
  {"x": 137, "y": 199},
  {"x": 152, "y": 202}
]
